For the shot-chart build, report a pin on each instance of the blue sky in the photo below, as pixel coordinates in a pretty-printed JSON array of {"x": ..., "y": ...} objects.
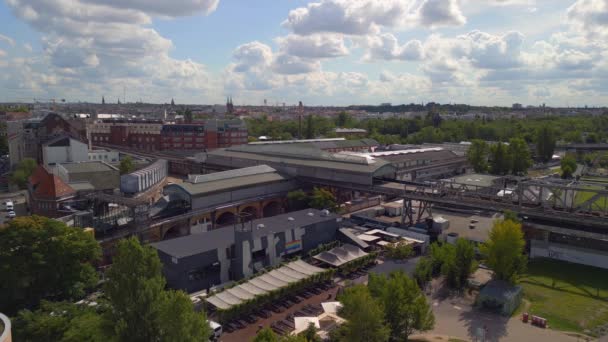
[{"x": 323, "y": 52}]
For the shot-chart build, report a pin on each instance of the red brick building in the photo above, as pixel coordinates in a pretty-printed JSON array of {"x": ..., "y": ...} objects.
[
  {"x": 156, "y": 136},
  {"x": 48, "y": 192}
]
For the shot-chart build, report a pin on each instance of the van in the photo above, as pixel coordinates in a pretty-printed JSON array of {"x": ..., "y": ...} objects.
[
  {"x": 10, "y": 206},
  {"x": 216, "y": 330}
]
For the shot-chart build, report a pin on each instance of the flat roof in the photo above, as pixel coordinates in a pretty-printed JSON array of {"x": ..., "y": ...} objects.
[
  {"x": 199, "y": 243},
  {"x": 199, "y": 189},
  {"x": 474, "y": 179},
  {"x": 88, "y": 166},
  {"x": 460, "y": 222},
  {"x": 196, "y": 243},
  {"x": 310, "y": 157},
  {"x": 216, "y": 176}
]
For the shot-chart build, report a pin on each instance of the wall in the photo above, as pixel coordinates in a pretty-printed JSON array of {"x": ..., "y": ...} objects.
[
  {"x": 105, "y": 156},
  {"x": 567, "y": 253},
  {"x": 76, "y": 152},
  {"x": 176, "y": 270}
]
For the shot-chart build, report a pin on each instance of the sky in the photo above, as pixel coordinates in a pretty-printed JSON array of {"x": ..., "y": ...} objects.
[{"x": 320, "y": 52}]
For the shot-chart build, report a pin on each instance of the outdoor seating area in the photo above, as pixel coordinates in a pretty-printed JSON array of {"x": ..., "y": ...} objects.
[
  {"x": 339, "y": 256},
  {"x": 279, "y": 306}
]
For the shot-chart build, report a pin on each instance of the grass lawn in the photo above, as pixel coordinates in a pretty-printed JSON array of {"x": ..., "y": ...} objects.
[
  {"x": 571, "y": 297},
  {"x": 582, "y": 196}
]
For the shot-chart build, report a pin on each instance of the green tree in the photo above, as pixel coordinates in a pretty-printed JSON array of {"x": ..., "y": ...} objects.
[
  {"x": 511, "y": 215},
  {"x": 520, "y": 156},
  {"x": 568, "y": 166},
  {"x": 405, "y": 307},
  {"x": 344, "y": 120},
  {"x": 545, "y": 143},
  {"x": 41, "y": 258},
  {"x": 141, "y": 309},
  {"x": 399, "y": 251},
  {"x": 126, "y": 165},
  {"x": 3, "y": 140},
  {"x": 323, "y": 199},
  {"x": 310, "y": 127},
  {"x": 188, "y": 117},
  {"x": 310, "y": 334},
  {"x": 364, "y": 317},
  {"x": 266, "y": 335},
  {"x": 500, "y": 160},
  {"x": 503, "y": 251},
  {"x": 478, "y": 155},
  {"x": 59, "y": 321},
  {"x": 179, "y": 322},
  {"x": 464, "y": 261},
  {"x": 22, "y": 173},
  {"x": 297, "y": 200},
  {"x": 423, "y": 272}
]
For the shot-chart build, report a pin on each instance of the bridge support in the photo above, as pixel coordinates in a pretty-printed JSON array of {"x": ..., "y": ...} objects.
[{"x": 413, "y": 214}]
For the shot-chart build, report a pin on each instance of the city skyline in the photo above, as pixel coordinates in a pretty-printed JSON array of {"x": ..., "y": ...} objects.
[{"x": 323, "y": 52}]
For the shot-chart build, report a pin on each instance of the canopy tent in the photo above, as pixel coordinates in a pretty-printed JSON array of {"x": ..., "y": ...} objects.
[
  {"x": 338, "y": 256},
  {"x": 267, "y": 282}
]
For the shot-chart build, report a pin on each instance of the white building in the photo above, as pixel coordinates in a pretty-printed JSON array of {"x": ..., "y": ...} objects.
[
  {"x": 108, "y": 156},
  {"x": 64, "y": 150}
]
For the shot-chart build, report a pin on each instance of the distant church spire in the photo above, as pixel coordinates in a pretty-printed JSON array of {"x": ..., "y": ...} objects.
[
  {"x": 103, "y": 100},
  {"x": 172, "y": 102},
  {"x": 229, "y": 105}
]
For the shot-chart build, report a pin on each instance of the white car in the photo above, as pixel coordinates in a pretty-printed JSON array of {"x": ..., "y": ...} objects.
[
  {"x": 216, "y": 330},
  {"x": 11, "y": 214},
  {"x": 9, "y": 206}
]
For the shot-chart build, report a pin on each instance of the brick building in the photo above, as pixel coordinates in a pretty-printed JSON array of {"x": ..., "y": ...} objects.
[
  {"x": 152, "y": 135},
  {"x": 26, "y": 137}
]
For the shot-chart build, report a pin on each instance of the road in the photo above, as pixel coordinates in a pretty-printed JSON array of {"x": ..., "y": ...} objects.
[{"x": 455, "y": 317}]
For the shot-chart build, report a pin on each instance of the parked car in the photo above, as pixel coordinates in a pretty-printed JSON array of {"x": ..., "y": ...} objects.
[
  {"x": 216, "y": 329},
  {"x": 10, "y": 206},
  {"x": 11, "y": 214}
]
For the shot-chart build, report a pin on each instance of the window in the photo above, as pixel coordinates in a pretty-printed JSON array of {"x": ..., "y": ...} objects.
[{"x": 258, "y": 255}]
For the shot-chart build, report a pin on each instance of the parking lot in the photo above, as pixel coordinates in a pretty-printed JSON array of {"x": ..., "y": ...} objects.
[{"x": 19, "y": 202}]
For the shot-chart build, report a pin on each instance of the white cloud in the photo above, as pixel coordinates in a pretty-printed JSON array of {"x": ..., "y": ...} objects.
[
  {"x": 362, "y": 17},
  {"x": 7, "y": 40},
  {"x": 435, "y": 13},
  {"x": 313, "y": 46},
  {"x": 163, "y": 7},
  {"x": 2, "y": 53},
  {"x": 28, "y": 47},
  {"x": 105, "y": 45},
  {"x": 385, "y": 46},
  {"x": 590, "y": 17}
]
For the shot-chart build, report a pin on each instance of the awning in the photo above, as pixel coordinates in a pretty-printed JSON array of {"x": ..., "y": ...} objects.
[{"x": 267, "y": 282}]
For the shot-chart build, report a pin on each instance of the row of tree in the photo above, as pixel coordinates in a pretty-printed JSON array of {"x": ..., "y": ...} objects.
[
  {"x": 47, "y": 266},
  {"x": 429, "y": 128},
  {"x": 502, "y": 252},
  {"x": 499, "y": 158},
  {"x": 320, "y": 198}
]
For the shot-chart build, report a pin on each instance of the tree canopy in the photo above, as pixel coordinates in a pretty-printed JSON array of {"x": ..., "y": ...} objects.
[
  {"x": 323, "y": 199},
  {"x": 500, "y": 159},
  {"x": 404, "y": 305},
  {"x": 126, "y": 165},
  {"x": 545, "y": 143},
  {"x": 478, "y": 155},
  {"x": 41, "y": 258},
  {"x": 568, "y": 166},
  {"x": 141, "y": 309},
  {"x": 521, "y": 159},
  {"x": 503, "y": 251},
  {"x": 22, "y": 173},
  {"x": 364, "y": 317}
]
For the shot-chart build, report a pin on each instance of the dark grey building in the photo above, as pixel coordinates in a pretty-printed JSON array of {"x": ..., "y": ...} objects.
[{"x": 201, "y": 261}]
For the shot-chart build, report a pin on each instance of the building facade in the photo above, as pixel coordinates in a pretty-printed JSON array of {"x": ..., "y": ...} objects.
[
  {"x": 202, "y": 261},
  {"x": 64, "y": 150},
  {"x": 154, "y": 135},
  {"x": 144, "y": 179},
  {"x": 27, "y": 137}
]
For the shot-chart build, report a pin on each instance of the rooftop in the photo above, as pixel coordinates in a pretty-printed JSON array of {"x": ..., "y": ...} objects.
[
  {"x": 88, "y": 166},
  {"x": 230, "y": 174},
  {"x": 222, "y": 184},
  {"x": 198, "y": 243},
  {"x": 474, "y": 179}
]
